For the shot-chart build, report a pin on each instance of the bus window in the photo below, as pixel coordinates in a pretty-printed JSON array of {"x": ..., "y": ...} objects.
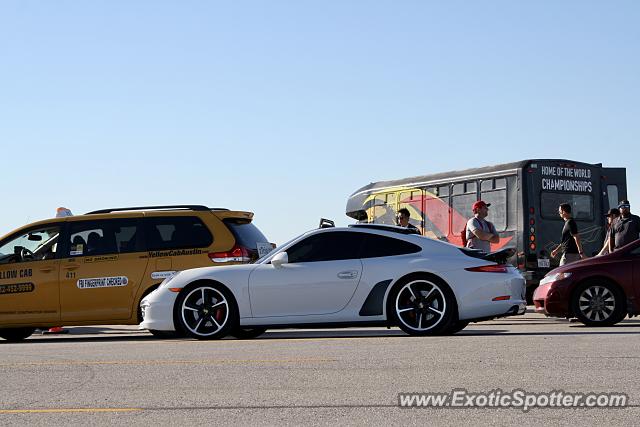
[
  {"x": 498, "y": 210},
  {"x": 612, "y": 194},
  {"x": 443, "y": 190},
  {"x": 581, "y": 205},
  {"x": 501, "y": 183},
  {"x": 486, "y": 185},
  {"x": 436, "y": 215},
  {"x": 471, "y": 187},
  {"x": 412, "y": 200},
  {"x": 461, "y": 211},
  {"x": 382, "y": 213},
  {"x": 458, "y": 189}
]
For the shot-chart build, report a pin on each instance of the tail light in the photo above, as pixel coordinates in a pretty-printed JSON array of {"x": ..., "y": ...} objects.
[
  {"x": 235, "y": 254},
  {"x": 493, "y": 268}
]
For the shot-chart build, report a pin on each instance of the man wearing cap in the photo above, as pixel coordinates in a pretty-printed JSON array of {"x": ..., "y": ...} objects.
[
  {"x": 626, "y": 228},
  {"x": 607, "y": 247},
  {"x": 480, "y": 232}
]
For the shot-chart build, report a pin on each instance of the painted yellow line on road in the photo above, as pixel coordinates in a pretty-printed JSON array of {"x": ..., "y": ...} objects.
[
  {"x": 67, "y": 410},
  {"x": 165, "y": 362}
]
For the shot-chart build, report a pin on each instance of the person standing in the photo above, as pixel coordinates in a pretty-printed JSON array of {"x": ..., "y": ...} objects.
[
  {"x": 626, "y": 228},
  {"x": 607, "y": 247},
  {"x": 403, "y": 219},
  {"x": 570, "y": 246},
  {"x": 481, "y": 233}
]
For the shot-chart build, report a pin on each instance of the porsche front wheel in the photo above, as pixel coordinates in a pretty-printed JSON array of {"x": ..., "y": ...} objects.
[{"x": 206, "y": 311}]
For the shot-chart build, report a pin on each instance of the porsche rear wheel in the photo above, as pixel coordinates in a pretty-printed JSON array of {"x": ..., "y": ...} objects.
[
  {"x": 424, "y": 306},
  {"x": 206, "y": 311}
]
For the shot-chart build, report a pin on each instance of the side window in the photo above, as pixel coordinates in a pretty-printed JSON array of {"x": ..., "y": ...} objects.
[
  {"x": 179, "y": 232},
  {"x": 498, "y": 199},
  {"x": 465, "y": 196},
  {"x": 89, "y": 238},
  {"x": 379, "y": 246},
  {"x": 436, "y": 212},
  {"x": 328, "y": 246},
  {"x": 413, "y": 202},
  {"x": 384, "y": 209},
  {"x": 35, "y": 245},
  {"x": 612, "y": 195}
]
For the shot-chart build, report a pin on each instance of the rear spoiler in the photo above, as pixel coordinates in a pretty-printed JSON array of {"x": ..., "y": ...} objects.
[{"x": 499, "y": 257}]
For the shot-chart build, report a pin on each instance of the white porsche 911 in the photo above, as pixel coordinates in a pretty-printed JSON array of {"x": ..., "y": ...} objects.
[{"x": 362, "y": 275}]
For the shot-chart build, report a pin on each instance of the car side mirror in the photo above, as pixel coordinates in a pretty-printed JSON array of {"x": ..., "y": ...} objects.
[
  {"x": 279, "y": 259},
  {"x": 34, "y": 237}
]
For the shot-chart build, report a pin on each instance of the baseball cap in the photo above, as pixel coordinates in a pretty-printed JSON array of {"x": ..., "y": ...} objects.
[
  {"x": 613, "y": 211},
  {"x": 480, "y": 204},
  {"x": 624, "y": 204}
]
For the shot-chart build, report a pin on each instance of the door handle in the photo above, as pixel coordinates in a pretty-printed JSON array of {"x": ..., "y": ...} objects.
[
  {"x": 71, "y": 267},
  {"x": 47, "y": 269},
  {"x": 348, "y": 274}
]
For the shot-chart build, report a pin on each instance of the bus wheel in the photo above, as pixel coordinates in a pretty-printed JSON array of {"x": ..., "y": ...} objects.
[{"x": 598, "y": 303}]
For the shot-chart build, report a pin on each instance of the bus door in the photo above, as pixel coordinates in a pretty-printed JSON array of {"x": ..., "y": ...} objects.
[{"x": 614, "y": 187}]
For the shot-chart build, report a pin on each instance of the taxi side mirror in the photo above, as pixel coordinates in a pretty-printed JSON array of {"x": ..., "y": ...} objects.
[
  {"x": 34, "y": 237},
  {"x": 279, "y": 259}
]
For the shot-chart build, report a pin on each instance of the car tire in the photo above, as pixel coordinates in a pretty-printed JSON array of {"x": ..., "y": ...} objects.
[
  {"x": 247, "y": 333},
  {"x": 205, "y": 311},
  {"x": 16, "y": 334},
  {"x": 422, "y": 305},
  {"x": 598, "y": 303}
]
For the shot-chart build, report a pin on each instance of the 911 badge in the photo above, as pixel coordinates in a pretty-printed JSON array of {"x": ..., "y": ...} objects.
[{"x": 103, "y": 282}]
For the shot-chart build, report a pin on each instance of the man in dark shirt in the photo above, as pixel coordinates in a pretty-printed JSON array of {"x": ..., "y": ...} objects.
[
  {"x": 403, "y": 219},
  {"x": 570, "y": 247},
  {"x": 626, "y": 228}
]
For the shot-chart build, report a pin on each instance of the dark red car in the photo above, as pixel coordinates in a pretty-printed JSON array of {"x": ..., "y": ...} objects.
[{"x": 598, "y": 291}]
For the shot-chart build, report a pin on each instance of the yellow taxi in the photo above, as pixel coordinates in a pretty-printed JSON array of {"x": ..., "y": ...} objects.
[{"x": 94, "y": 269}]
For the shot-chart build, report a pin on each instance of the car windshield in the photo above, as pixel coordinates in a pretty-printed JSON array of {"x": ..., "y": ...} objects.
[{"x": 37, "y": 242}]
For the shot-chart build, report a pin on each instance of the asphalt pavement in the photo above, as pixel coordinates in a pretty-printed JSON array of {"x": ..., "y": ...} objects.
[{"x": 107, "y": 375}]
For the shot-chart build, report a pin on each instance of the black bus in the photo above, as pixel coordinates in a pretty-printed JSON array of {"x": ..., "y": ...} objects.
[{"x": 524, "y": 199}]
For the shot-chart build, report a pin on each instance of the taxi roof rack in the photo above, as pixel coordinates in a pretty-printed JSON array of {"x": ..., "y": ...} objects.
[{"x": 163, "y": 207}]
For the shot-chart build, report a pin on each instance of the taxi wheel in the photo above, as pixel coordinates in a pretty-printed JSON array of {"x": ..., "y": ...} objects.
[
  {"x": 16, "y": 334},
  {"x": 205, "y": 311},
  {"x": 598, "y": 303},
  {"x": 247, "y": 333},
  {"x": 423, "y": 305}
]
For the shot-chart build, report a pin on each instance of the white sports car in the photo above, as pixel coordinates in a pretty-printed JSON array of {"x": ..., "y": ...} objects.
[{"x": 362, "y": 275}]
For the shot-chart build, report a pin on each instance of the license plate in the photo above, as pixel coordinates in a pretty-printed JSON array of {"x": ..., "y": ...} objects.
[
  {"x": 544, "y": 263},
  {"x": 264, "y": 248}
]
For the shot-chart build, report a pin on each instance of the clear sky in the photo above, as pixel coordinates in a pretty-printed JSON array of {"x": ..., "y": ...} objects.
[{"x": 284, "y": 108}]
